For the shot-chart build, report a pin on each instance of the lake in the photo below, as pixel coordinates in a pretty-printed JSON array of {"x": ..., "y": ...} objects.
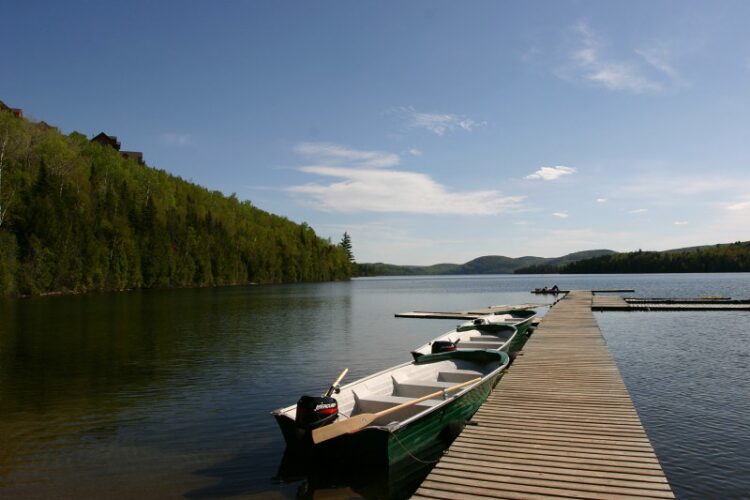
[{"x": 168, "y": 393}]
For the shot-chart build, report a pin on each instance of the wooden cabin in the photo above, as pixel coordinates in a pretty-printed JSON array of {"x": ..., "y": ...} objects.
[
  {"x": 133, "y": 155},
  {"x": 107, "y": 140},
  {"x": 17, "y": 112}
]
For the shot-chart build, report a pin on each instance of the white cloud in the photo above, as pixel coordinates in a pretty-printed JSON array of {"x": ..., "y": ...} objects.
[
  {"x": 415, "y": 152},
  {"x": 370, "y": 190},
  {"x": 364, "y": 188},
  {"x": 175, "y": 139},
  {"x": 437, "y": 123},
  {"x": 680, "y": 223},
  {"x": 736, "y": 207},
  {"x": 467, "y": 124},
  {"x": 638, "y": 211},
  {"x": 667, "y": 187},
  {"x": 335, "y": 154},
  {"x": 659, "y": 56},
  {"x": 647, "y": 69},
  {"x": 561, "y": 215},
  {"x": 601, "y": 200},
  {"x": 551, "y": 173}
]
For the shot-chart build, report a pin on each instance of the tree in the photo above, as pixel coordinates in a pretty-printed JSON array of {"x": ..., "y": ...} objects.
[{"x": 346, "y": 244}]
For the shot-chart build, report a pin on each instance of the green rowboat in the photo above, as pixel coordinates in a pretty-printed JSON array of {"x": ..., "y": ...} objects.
[{"x": 413, "y": 430}]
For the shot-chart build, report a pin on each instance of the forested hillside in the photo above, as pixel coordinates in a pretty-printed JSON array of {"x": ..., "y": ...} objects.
[
  {"x": 489, "y": 264},
  {"x": 75, "y": 216},
  {"x": 733, "y": 257},
  {"x": 552, "y": 266}
]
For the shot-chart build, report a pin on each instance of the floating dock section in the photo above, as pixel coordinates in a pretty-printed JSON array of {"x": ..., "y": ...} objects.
[
  {"x": 559, "y": 424},
  {"x": 469, "y": 314},
  {"x": 617, "y": 303}
]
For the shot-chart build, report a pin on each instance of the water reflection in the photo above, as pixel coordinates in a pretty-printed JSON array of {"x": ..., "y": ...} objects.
[
  {"x": 345, "y": 480},
  {"x": 149, "y": 369}
]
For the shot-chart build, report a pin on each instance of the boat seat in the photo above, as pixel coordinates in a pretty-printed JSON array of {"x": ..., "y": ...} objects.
[
  {"x": 418, "y": 388},
  {"x": 482, "y": 345},
  {"x": 458, "y": 376},
  {"x": 375, "y": 403},
  {"x": 487, "y": 338}
]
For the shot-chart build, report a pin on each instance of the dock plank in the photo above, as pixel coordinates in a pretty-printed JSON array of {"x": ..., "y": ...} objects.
[{"x": 560, "y": 423}]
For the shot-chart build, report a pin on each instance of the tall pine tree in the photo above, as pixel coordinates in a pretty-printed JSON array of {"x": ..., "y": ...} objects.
[{"x": 346, "y": 244}]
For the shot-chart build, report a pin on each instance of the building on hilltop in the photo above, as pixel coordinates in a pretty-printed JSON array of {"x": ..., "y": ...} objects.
[
  {"x": 111, "y": 141},
  {"x": 107, "y": 140},
  {"x": 133, "y": 155},
  {"x": 42, "y": 125},
  {"x": 17, "y": 112}
]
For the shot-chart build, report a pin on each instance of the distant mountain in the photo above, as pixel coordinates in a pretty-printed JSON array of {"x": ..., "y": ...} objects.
[
  {"x": 552, "y": 266},
  {"x": 489, "y": 264}
]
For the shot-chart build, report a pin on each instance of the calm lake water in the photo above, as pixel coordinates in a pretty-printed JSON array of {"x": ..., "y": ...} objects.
[{"x": 162, "y": 394}]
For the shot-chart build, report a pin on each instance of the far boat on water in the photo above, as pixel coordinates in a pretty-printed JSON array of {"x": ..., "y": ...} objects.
[{"x": 400, "y": 412}]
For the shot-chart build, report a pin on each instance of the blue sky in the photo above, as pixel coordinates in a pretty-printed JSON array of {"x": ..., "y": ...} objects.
[{"x": 430, "y": 131}]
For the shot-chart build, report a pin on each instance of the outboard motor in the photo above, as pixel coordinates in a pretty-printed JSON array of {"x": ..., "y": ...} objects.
[
  {"x": 313, "y": 412},
  {"x": 443, "y": 346}
]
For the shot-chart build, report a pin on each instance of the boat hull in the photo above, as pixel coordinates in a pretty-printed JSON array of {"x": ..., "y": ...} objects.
[{"x": 391, "y": 447}]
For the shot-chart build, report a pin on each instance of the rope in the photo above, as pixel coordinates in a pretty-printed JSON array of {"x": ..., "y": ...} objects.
[{"x": 426, "y": 462}]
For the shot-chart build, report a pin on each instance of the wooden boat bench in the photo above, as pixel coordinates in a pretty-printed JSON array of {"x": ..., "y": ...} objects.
[
  {"x": 458, "y": 376},
  {"x": 486, "y": 338},
  {"x": 375, "y": 403},
  {"x": 480, "y": 345},
  {"x": 419, "y": 388}
]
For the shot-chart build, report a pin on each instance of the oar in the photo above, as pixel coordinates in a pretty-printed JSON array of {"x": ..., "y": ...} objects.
[
  {"x": 356, "y": 422},
  {"x": 336, "y": 383}
]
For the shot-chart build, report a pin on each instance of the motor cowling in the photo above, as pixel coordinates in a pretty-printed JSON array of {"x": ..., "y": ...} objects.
[
  {"x": 443, "y": 346},
  {"x": 313, "y": 412}
]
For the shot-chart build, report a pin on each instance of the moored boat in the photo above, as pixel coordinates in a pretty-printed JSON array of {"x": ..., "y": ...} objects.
[
  {"x": 521, "y": 320},
  {"x": 397, "y": 413},
  {"x": 502, "y": 337},
  {"x": 546, "y": 290},
  {"x": 499, "y": 332}
]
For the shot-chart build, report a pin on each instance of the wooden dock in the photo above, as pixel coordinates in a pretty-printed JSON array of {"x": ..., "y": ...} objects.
[
  {"x": 559, "y": 424},
  {"x": 617, "y": 303},
  {"x": 602, "y": 290}
]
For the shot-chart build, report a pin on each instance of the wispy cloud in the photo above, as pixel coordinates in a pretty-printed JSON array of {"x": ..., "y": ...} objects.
[
  {"x": 638, "y": 211},
  {"x": 175, "y": 139},
  {"x": 551, "y": 173},
  {"x": 661, "y": 186},
  {"x": 360, "y": 188},
  {"x": 415, "y": 152},
  {"x": 659, "y": 56},
  {"x": 649, "y": 68},
  {"x": 437, "y": 123},
  {"x": 736, "y": 207},
  {"x": 561, "y": 215},
  {"x": 680, "y": 223},
  {"x": 335, "y": 154},
  {"x": 601, "y": 200}
]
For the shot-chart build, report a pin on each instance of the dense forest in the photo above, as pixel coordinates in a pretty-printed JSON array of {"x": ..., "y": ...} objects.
[
  {"x": 76, "y": 216},
  {"x": 733, "y": 257}
]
